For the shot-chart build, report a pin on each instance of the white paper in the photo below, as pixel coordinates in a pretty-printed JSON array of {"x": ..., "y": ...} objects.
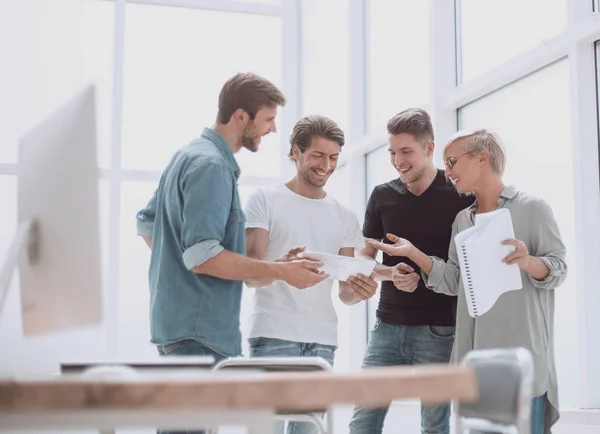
[
  {"x": 342, "y": 267},
  {"x": 481, "y": 263}
]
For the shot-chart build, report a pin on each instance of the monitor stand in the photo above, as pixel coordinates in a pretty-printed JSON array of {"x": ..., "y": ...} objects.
[{"x": 26, "y": 236}]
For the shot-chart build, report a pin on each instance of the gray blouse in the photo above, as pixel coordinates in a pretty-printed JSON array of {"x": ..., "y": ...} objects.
[{"x": 523, "y": 318}]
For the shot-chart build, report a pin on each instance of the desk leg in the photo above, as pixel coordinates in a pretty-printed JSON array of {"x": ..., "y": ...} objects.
[{"x": 329, "y": 421}]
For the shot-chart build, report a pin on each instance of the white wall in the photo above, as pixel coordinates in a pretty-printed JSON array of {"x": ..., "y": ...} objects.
[{"x": 41, "y": 68}]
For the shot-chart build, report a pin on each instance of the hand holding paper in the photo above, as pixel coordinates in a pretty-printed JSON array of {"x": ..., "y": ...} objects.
[
  {"x": 341, "y": 267},
  {"x": 302, "y": 273},
  {"x": 363, "y": 286},
  {"x": 520, "y": 256}
]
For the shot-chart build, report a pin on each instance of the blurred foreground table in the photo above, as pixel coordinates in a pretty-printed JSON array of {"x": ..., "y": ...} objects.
[{"x": 186, "y": 401}]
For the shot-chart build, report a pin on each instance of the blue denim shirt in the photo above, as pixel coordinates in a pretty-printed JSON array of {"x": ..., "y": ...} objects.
[{"x": 193, "y": 215}]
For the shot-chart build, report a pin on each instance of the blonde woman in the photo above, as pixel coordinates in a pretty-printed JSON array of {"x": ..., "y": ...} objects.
[{"x": 475, "y": 163}]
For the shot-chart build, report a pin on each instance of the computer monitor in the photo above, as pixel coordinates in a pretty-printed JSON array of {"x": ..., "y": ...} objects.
[{"x": 60, "y": 270}]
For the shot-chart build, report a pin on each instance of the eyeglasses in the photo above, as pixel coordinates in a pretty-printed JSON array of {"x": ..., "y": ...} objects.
[{"x": 451, "y": 161}]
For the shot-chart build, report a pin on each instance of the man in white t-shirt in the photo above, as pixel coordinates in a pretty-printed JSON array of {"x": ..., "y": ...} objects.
[{"x": 286, "y": 321}]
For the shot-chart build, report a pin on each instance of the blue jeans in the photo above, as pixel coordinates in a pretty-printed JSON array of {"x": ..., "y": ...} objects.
[
  {"x": 270, "y": 347},
  {"x": 188, "y": 347},
  {"x": 391, "y": 345},
  {"x": 538, "y": 416}
]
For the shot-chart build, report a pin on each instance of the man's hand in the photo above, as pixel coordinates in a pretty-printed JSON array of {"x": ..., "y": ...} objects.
[
  {"x": 302, "y": 273},
  {"x": 405, "y": 278},
  {"x": 401, "y": 246},
  {"x": 364, "y": 287},
  {"x": 292, "y": 255}
]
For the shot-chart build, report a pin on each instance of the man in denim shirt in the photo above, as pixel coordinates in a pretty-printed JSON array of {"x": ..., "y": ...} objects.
[{"x": 194, "y": 226}]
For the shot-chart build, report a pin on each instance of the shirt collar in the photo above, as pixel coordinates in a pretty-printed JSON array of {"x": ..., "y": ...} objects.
[
  {"x": 508, "y": 193},
  {"x": 223, "y": 148}
]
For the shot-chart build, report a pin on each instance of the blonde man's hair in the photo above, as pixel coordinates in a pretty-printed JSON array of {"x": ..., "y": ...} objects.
[{"x": 482, "y": 140}]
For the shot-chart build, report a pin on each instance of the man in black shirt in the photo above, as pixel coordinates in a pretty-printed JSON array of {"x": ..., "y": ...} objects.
[{"x": 414, "y": 325}]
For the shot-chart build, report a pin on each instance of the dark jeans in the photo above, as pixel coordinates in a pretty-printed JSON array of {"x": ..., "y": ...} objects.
[
  {"x": 392, "y": 345},
  {"x": 188, "y": 347}
]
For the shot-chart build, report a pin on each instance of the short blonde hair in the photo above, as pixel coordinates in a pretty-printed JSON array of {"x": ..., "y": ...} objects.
[{"x": 482, "y": 140}]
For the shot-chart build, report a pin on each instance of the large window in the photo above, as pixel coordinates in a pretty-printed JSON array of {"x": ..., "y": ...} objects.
[
  {"x": 50, "y": 62},
  {"x": 490, "y": 32},
  {"x": 174, "y": 69},
  {"x": 134, "y": 295},
  {"x": 532, "y": 117},
  {"x": 97, "y": 55},
  {"x": 398, "y": 58},
  {"x": 325, "y": 61}
]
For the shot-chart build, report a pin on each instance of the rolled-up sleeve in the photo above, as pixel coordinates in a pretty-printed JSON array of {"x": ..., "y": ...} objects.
[
  {"x": 445, "y": 275},
  {"x": 145, "y": 217},
  {"x": 201, "y": 252},
  {"x": 546, "y": 244},
  {"x": 207, "y": 194}
]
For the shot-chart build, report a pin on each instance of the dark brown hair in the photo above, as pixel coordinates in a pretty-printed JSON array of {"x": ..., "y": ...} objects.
[{"x": 248, "y": 92}]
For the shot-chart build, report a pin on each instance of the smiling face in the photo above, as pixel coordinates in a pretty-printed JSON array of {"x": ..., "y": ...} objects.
[
  {"x": 317, "y": 163},
  {"x": 253, "y": 130},
  {"x": 463, "y": 166},
  {"x": 409, "y": 156}
]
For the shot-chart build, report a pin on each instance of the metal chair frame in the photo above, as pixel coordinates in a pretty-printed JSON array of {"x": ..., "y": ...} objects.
[
  {"x": 518, "y": 357},
  {"x": 286, "y": 364}
]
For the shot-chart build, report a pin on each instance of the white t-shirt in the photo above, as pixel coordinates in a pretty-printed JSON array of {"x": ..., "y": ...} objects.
[{"x": 323, "y": 225}]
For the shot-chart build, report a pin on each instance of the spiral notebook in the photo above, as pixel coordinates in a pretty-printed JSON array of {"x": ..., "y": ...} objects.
[{"x": 480, "y": 252}]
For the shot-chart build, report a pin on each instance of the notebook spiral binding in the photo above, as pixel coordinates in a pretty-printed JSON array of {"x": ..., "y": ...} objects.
[{"x": 470, "y": 283}]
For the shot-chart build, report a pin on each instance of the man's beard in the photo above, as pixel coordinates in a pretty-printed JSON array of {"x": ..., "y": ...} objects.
[
  {"x": 247, "y": 140},
  {"x": 307, "y": 178}
]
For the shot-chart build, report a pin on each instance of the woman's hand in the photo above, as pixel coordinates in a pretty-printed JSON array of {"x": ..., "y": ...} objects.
[
  {"x": 401, "y": 246},
  {"x": 520, "y": 256}
]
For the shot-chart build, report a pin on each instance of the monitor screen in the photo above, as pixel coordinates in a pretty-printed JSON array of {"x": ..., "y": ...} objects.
[{"x": 60, "y": 272}]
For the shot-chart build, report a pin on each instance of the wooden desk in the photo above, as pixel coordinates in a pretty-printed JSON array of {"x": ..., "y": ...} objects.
[{"x": 163, "y": 400}]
